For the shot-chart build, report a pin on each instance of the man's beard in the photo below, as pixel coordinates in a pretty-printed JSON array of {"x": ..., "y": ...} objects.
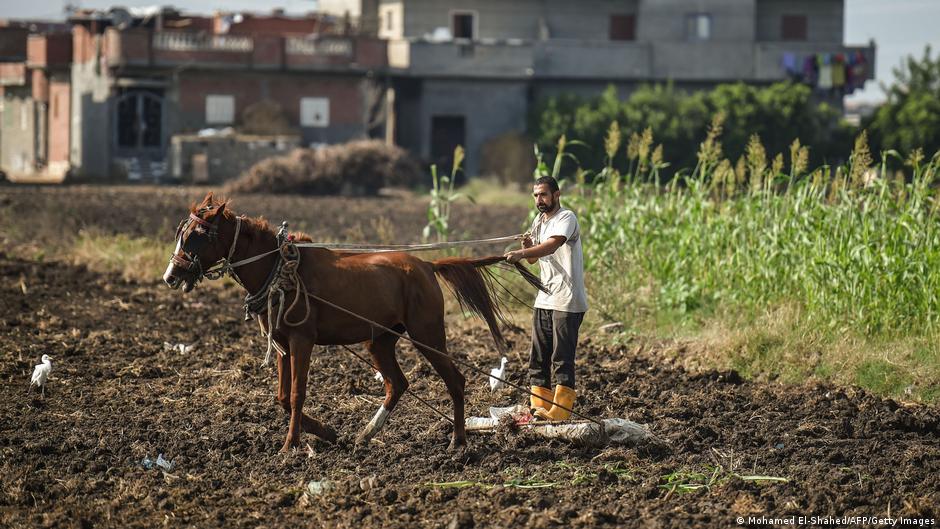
[{"x": 545, "y": 208}]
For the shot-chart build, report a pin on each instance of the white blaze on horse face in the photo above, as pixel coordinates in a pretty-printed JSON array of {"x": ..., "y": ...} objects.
[{"x": 168, "y": 275}]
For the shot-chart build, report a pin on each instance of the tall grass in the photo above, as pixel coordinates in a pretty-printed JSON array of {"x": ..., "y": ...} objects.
[{"x": 853, "y": 249}]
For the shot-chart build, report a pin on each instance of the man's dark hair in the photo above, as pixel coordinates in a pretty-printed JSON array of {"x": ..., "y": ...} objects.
[{"x": 549, "y": 181}]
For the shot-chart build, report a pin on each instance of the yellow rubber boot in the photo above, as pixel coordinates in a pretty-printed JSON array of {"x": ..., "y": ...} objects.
[
  {"x": 565, "y": 397},
  {"x": 542, "y": 398}
]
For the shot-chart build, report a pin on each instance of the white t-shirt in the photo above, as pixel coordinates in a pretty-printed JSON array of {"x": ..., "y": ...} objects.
[{"x": 563, "y": 271}]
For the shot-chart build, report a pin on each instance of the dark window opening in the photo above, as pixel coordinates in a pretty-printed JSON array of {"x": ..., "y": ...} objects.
[
  {"x": 622, "y": 27},
  {"x": 698, "y": 26},
  {"x": 447, "y": 132},
  {"x": 793, "y": 27},
  {"x": 463, "y": 26}
]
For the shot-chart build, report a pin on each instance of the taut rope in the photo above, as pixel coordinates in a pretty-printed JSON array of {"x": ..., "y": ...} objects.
[{"x": 285, "y": 276}]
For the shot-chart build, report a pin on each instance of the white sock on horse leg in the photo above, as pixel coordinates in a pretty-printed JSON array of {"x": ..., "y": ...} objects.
[{"x": 376, "y": 424}]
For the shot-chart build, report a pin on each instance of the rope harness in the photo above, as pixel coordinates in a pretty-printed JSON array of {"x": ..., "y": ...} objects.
[{"x": 285, "y": 277}]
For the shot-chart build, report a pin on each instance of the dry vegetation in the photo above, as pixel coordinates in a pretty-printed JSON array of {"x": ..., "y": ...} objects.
[{"x": 354, "y": 168}]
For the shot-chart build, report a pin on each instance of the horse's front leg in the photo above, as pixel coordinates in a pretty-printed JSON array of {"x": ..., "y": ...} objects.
[
  {"x": 284, "y": 381},
  {"x": 300, "y": 349}
]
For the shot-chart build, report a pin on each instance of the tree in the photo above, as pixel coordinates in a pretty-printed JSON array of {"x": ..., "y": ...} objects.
[
  {"x": 678, "y": 120},
  {"x": 910, "y": 118}
]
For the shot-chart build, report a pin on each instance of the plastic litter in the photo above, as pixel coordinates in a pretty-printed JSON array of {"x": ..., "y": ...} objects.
[
  {"x": 369, "y": 483},
  {"x": 181, "y": 348},
  {"x": 315, "y": 488},
  {"x": 615, "y": 431},
  {"x": 164, "y": 464}
]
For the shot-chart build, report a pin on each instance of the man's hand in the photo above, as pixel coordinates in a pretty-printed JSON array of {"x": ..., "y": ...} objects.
[
  {"x": 514, "y": 256},
  {"x": 527, "y": 241}
]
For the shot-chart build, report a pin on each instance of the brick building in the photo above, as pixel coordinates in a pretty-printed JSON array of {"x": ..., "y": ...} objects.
[{"x": 102, "y": 96}]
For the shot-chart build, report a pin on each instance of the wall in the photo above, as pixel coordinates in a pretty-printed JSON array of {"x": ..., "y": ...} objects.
[
  {"x": 59, "y": 109},
  {"x": 825, "y": 19},
  {"x": 90, "y": 150},
  {"x": 665, "y": 20},
  {"x": 500, "y": 19},
  {"x": 17, "y": 150},
  {"x": 347, "y": 118},
  {"x": 490, "y": 108},
  {"x": 13, "y": 44},
  {"x": 391, "y": 19},
  {"x": 225, "y": 157}
]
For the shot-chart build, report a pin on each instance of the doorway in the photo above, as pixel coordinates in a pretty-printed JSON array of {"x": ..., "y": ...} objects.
[{"x": 447, "y": 132}]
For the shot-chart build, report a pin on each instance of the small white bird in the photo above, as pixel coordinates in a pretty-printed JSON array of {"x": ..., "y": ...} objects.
[
  {"x": 41, "y": 374},
  {"x": 497, "y": 372}
]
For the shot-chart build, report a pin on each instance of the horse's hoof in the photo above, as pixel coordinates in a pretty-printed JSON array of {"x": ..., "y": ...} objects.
[
  {"x": 457, "y": 444},
  {"x": 290, "y": 445},
  {"x": 328, "y": 434}
]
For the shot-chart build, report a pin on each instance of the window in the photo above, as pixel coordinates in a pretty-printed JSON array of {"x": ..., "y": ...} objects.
[
  {"x": 220, "y": 109},
  {"x": 698, "y": 26},
  {"x": 314, "y": 112},
  {"x": 793, "y": 27},
  {"x": 462, "y": 25},
  {"x": 622, "y": 27}
]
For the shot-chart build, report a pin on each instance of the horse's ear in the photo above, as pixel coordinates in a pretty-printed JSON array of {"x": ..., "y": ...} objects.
[
  {"x": 220, "y": 209},
  {"x": 208, "y": 200}
]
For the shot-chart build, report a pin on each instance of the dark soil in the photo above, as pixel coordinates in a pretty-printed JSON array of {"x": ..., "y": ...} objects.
[
  {"x": 47, "y": 215},
  {"x": 74, "y": 458}
]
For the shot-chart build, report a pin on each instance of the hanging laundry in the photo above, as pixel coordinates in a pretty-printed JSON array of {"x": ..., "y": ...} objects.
[
  {"x": 859, "y": 70},
  {"x": 825, "y": 72},
  {"x": 838, "y": 73},
  {"x": 788, "y": 61},
  {"x": 810, "y": 69}
]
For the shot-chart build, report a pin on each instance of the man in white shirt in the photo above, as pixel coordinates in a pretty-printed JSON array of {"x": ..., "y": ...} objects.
[{"x": 555, "y": 241}]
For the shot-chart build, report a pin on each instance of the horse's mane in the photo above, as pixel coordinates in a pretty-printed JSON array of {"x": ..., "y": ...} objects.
[{"x": 257, "y": 226}]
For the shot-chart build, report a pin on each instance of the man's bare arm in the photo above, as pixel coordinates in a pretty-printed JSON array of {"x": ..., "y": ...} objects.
[{"x": 540, "y": 250}]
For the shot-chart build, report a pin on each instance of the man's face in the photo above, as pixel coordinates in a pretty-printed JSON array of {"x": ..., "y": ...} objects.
[{"x": 545, "y": 200}]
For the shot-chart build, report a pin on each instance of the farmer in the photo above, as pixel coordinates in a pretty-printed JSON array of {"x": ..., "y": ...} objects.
[{"x": 555, "y": 241}]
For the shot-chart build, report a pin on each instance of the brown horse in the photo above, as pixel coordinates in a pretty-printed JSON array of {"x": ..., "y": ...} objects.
[{"x": 395, "y": 290}]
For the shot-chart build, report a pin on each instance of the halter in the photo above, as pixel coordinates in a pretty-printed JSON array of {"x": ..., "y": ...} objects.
[{"x": 190, "y": 262}]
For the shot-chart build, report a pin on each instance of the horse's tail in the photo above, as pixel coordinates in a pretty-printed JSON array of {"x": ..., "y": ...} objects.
[{"x": 473, "y": 286}]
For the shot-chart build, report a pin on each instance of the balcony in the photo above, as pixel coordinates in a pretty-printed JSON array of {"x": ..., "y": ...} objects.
[
  {"x": 713, "y": 61},
  {"x": 572, "y": 59},
  {"x": 458, "y": 58},
  {"x": 145, "y": 48}
]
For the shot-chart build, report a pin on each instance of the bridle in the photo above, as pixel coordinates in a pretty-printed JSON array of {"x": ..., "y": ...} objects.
[{"x": 189, "y": 260}]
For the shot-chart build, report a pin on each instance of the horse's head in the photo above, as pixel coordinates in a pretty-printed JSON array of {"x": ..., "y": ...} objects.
[{"x": 197, "y": 245}]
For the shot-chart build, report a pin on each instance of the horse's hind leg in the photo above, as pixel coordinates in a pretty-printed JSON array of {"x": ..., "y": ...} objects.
[
  {"x": 382, "y": 349},
  {"x": 433, "y": 335}
]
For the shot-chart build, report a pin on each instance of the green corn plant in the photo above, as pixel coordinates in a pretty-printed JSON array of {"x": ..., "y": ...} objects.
[{"x": 442, "y": 197}]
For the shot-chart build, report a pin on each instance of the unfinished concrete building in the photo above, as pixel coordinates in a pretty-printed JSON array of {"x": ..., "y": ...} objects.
[{"x": 467, "y": 71}]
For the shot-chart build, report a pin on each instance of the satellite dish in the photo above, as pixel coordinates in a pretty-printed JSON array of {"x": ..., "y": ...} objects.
[{"x": 120, "y": 17}]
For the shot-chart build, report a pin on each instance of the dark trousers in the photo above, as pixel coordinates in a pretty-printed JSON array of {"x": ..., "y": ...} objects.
[{"x": 554, "y": 338}]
